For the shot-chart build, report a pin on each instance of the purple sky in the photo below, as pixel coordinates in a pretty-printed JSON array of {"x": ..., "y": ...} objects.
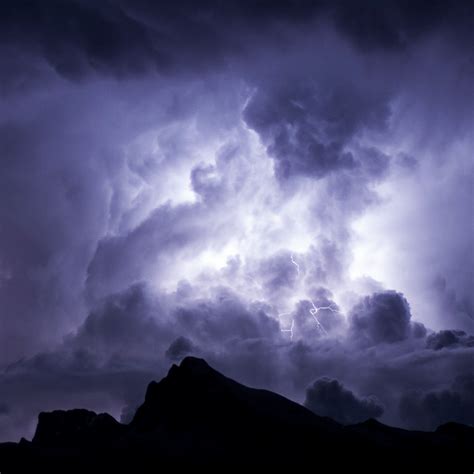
[{"x": 282, "y": 188}]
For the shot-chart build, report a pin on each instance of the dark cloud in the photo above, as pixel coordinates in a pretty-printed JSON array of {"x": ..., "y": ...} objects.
[
  {"x": 399, "y": 23},
  {"x": 180, "y": 348},
  {"x": 328, "y": 397},
  {"x": 278, "y": 272},
  {"x": 307, "y": 132},
  {"x": 121, "y": 346},
  {"x": 431, "y": 409},
  {"x": 224, "y": 318},
  {"x": 449, "y": 338},
  {"x": 383, "y": 317},
  {"x": 128, "y": 320},
  {"x": 78, "y": 36},
  {"x": 129, "y": 38},
  {"x": 418, "y": 329},
  {"x": 123, "y": 38}
]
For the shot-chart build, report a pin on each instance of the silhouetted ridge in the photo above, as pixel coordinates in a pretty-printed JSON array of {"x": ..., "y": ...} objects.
[
  {"x": 461, "y": 432},
  {"x": 197, "y": 366},
  {"x": 197, "y": 415},
  {"x": 195, "y": 394},
  {"x": 61, "y": 428}
]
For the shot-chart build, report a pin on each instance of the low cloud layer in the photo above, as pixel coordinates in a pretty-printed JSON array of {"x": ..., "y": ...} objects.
[
  {"x": 429, "y": 409},
  {"x": 327, "y": 397},
  {"x": 450, "y": 339},
  {"x": 135, "y": 335}
]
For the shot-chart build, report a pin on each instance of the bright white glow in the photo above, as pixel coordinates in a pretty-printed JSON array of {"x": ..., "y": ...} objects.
[{"x": 254, "y": 218}]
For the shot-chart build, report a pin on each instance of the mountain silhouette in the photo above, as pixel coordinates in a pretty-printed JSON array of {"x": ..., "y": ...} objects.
[{"x": 196, "y": 415}]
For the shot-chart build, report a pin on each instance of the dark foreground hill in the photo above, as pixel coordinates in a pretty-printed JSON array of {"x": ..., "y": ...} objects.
[{"x": 195, "y": 415}]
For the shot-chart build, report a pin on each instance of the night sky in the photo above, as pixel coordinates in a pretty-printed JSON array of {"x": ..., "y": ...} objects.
[{"x": 283, "y": 188}]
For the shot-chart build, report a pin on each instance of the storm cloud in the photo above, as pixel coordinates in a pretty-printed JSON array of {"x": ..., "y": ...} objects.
[
  {"x": 330, "y": 398},
  {"x": 450, "y": 339},
  {"x": 284, "y": 190},
  {"x": 429, "y": 409},
  {"x": 383, "y": 317}
]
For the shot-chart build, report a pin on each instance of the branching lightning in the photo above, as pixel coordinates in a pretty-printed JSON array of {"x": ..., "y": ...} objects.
[{"x": 313, "y": 310}]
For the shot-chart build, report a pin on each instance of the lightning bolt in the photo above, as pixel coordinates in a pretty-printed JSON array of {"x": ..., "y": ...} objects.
[
  {"x": 290, "y": 330},
  {"x": 313, "y": 311},
  {"x": 295, "y": 264}
]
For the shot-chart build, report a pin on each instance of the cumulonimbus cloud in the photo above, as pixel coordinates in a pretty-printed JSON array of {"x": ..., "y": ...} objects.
[{"x": 174, "y": 182}]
